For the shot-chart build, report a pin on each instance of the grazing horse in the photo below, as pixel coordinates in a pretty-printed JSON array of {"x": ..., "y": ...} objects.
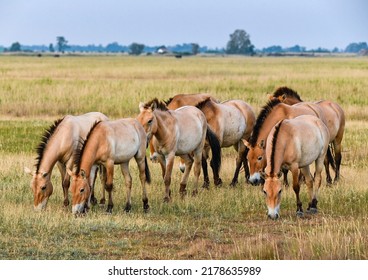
[
  {"x": 109, "y": 143},
  {"x": 335, "y": 122},
  {"x": 231, "y": 121},
  {"x": 57, "y": 145},
  {"x": 181, "y": 132},
  {"x": 295, "y": 144}
]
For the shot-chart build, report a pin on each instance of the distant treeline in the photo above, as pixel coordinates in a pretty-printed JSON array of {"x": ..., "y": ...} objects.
[{"x": 186, "y": 48}]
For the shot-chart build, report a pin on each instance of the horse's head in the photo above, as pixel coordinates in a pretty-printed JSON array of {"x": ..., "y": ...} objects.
[
  {"x": 257, "y": 161},
  {"x": 147, "y": 117},
  {"x": 41, "y": 187},
  {"x": 272, "y": 189},
  {"x": 81, "y": 190}
]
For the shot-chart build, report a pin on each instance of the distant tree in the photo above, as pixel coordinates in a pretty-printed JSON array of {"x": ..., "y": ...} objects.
[
  {"x": 356, "y": 47},
  {"x": 114, "y": 47},
  {"x": 273, "y": 49},
  {"x": 61, "y": 43},
  {"x": 240, "y": 43},
  {"x": 195, "y": 48},
  {"x": 15, "y": 47},
  {"x": 335, "y": 50},
  {"x": 51, "y": 48},
  {"x": 136, "y": 49}
]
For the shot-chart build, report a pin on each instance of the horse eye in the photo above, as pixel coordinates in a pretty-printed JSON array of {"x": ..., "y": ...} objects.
[
  {"x": 81, "y": 190},
  {"x": 264, "y": 192},
  {"x": 280, "y": 191},
  {"x": 260, "y": 158},
  {"x": 150, "y": 121}
]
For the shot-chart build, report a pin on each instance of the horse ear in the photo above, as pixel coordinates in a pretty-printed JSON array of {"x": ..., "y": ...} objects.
[
  {"x": 261, "y": 144},
  {"x": 141, "y": 106},
  {"x": 283, "y": 97},
  {"x": 83, "y": 174},
  {"x": 153, "y": 106},
  {"x": 28, "y": 171},
  {"x": 246, "y": 143}
]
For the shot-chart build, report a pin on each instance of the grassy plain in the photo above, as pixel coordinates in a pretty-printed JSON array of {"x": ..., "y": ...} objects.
[{"x": 222, "y": 223}]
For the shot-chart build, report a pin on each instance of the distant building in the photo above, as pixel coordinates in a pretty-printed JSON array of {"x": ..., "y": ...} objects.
[{"x": 162, "y": 50}]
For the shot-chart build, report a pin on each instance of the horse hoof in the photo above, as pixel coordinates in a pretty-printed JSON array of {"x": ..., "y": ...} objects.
[
  {"x": 102, "y": 202},
  {"x": 109, "y": 209},
  {"x": 233, "y": 184},
  {"x": 218, "y": 182},
  {"x": 195, "y": 193},
  {"x": 312, "y": 210},
  {"x": 206, "y": 185},
  {"x": 66, "y": 203},
  {"x": 167, "y": 199},
  {"x": 127, "y": 208},
  {"x": 146, "y": 208},
  {"x": 299, "y": 214},
  {"x": 93, "y": 200}
]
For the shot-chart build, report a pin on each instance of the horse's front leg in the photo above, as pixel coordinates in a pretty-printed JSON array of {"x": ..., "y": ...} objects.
[
  {"x": 128, "y": 184},
  {"x": 141, "y": 162},
  {"x": 240, "y": 148},
  {"x": 92, "y": 199},
  {"x": 169, "y": 159},
  {"x": 295, "y": 172},
  {"x": 65, "y": 181},
  {"x": 109, "y": 184},
  {"x": 103, "y": 183}
]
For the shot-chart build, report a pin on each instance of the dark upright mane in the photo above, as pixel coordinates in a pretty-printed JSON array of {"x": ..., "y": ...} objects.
[
  {"x": 159, "y": 104},
  {"x": 44, "y": 141},
  {"x": 80, "y": 149},
  {"x": 203, "y": 103},
  {"x": 168, "y": 101},
  {"x": 274, "y": 140},
  {"x": 266, "y": 110},
  {"x": 288, "y": 92}
]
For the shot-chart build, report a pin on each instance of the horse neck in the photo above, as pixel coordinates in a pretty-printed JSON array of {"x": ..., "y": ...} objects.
[
  {"x": 162, "y": 130},
  {"x": 275, "y": 116},
  {"x": 277, "y": 157},
  {"x": 51, "y": 155},
  {"x": 89, "y": 157}
]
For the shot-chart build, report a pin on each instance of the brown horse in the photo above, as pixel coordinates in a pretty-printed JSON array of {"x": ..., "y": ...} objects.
[
  {"x": 231, "y": 121},
  {"x": 335, "y": 121},
  {"x": 181, "y": 132},
  {"x": 109, "y": 143},
  {"x": 295, "y": 143},
  {"x": 57, "y": 145}
]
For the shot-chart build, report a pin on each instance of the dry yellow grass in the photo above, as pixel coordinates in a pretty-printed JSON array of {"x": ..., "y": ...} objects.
[{"x": 222, "y": 223}]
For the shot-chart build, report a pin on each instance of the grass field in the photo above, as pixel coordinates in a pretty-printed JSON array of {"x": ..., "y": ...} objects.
[{"x": 222, "y": 223}]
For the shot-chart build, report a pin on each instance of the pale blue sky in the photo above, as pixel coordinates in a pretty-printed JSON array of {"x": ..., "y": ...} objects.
[{"x": 309, "y": 23}]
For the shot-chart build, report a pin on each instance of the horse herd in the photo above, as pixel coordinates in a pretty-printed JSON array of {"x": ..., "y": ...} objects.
[{"x": 288, "y": 134}]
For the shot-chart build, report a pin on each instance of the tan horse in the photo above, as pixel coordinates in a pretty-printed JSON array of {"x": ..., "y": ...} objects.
[
  {"x": 109, "y": 143},
  {"x": 295, "y": 143},
  {"x": 335, "y": 121},
  {"x": 57, "y": 145},
  {"x": 231, "y": 121},
  {"x": 181, "y": 132}
]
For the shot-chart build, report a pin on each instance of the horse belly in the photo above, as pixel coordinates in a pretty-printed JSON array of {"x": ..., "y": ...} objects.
[
  {"x": 188, "y": 143},
  {"x": 234, "y": 130},
  {"x": 310, "y": 151}
]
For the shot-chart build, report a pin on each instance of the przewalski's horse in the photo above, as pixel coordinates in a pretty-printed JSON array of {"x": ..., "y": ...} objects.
[
  {"x": 295, "y": 143},
  {"x": 176, "y": 102},
  {"x": 335, "y": 122},
  {"x": 181, "y": 132},
  {"x": 232, "y": 121},
  {"x": 57, "y": 145},
  {"x": 109, "y": 143}
]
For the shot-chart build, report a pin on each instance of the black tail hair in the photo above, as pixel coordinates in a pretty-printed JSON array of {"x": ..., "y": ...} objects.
[
  {"x": 147, "y": 171},
  {"x": 330, "y": 158},
  {"x": 216, "y": 150}
]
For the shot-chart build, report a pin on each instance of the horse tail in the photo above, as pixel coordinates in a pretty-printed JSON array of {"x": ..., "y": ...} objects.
[
  {"x": 330, "y": 158},
  {"x": 216, "y": 150},
  {"x": 147, "y": 171}
]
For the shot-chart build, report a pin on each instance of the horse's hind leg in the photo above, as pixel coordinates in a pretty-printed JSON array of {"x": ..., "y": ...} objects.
[
  {"x": 337, "y": 150},
  {"x": 206, "y": 179},
  {"x": 197, "y": 170},
  {"x": 128, "y": 184},
  {"x": 169, "y": 160},
  {"x": 65, "y": 182},
  {"x": 188, "y": 166},
  {"x": 327, "y": 168}
]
